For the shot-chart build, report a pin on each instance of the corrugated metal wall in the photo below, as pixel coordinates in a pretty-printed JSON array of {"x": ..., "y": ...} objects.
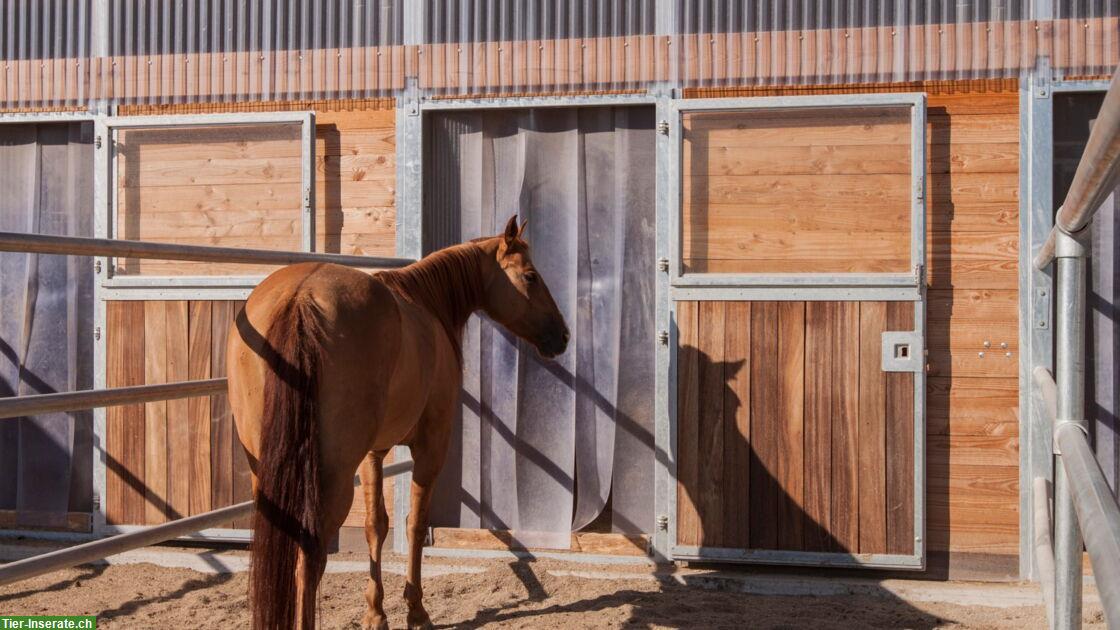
[{"x": 249, "y": 50}]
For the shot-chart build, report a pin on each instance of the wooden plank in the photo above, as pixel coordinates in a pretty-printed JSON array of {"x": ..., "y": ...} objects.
[
  {"x": 178, "y": 421},
  {"x": 972, "y": 406},
  {"x": 791, "y": 427},
  {"x": 125, "y": 447},
  {"x": 155, "y": 413},
  {"x": 797, "y": 128},
  {"x": 872, "y": 429},
  {"x": 699, "y": 188},
  {"x": 198, "y": 408},
  {"x": 737, "y": 425},
  {"x": 221, "y": 420},
  {"x": 688, "y": 419},
  {"x": 820, "y": 328},
  {"x": 816, "y": 159},
  {"x": 779, "y": 265},
  {"x": 765, "y": 425},
  {"x": 582, "y": 542},
  {"x": 845, "y": 428},
  {"x": 900, "y": 443},
  {"x": 974, "y": 449},
  {"x": 709, "y": 490}
]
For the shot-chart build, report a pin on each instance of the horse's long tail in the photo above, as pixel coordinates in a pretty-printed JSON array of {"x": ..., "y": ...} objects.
[{"x": 287, "y": 536}]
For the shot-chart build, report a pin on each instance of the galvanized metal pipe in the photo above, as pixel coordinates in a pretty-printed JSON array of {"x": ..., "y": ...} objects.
[
  {"x": 1048, "y": 390},
  {"x": 1070, "y": 379},
  {"x": 81, "y": 246},
  {"x": 98, "y": 549},
  {"x": 1098, "y": 514},
  {"x": 1096, "y": 177},
  {"x": 20, "y": 406},
  {"x": 1044, "y": 544}
]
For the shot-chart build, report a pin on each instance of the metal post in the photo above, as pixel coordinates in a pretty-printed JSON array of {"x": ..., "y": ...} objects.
[{"x": 1070, "y": 337}]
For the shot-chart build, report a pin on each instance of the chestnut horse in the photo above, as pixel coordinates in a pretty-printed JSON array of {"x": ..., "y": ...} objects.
[{"x": 329, "y": 368}]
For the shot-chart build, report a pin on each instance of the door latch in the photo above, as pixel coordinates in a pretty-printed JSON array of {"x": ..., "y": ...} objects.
[{"x": 903, "y": 351}]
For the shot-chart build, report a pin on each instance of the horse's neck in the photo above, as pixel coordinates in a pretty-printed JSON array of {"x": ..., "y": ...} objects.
[{"x": 447, "y": 284}]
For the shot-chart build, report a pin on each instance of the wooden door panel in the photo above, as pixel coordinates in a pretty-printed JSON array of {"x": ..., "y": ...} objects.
[{"x": 790, "y": 435}]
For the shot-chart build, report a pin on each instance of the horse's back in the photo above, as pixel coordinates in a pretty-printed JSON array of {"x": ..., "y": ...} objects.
[{"x": 358, "y": 330}]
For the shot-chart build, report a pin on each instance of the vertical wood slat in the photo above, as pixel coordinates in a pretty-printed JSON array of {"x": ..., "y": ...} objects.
[
  {"x": 688, "y": 416},
  {"x": 221, "y": 420},
  {"x": 899, "y": 451},
  {"x": 820, "y": 329},
  {"x": 737, "y": 424},
  {"x": 791, "y": 418},
  {"x": 242, "y": 476},
  {"x": 764, "y": 413},
  {"x": 178, "y": 429},
  {"x": 710, "y": 441},
  {"x": 155, "y": 413},
  {"x": 844, "y": 522},
  {"x": 872, "y": 429},
  {"x": 124, "y": 444},
  {"x": 198, "y": 407}
]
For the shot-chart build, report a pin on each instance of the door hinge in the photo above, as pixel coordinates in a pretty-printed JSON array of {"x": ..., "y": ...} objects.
[
  {"x": 663, "y": 127},
  {"x": 663, "y": 523},
  {"x": 663, "y": 264},
  {"x": 97, "y": 266},
  {"x": 663, "y": 337},
  {"x": 96, "y": 502},
  {"x": 97, "y": 142},
  {"x": 97, "y": 333}
]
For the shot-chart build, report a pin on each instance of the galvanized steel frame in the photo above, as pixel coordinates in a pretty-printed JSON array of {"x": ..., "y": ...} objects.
[
  {"x": 800, "y": 286},
  {"x": 192, "y": 287},
  {"x": 1036, "y": 290}
]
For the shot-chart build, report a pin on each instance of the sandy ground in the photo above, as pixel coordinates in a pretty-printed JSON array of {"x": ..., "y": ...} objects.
[{"x": 507, "y": 593}]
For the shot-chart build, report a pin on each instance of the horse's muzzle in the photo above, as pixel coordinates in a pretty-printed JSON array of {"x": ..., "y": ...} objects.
[{"x": 554, "y": 344}]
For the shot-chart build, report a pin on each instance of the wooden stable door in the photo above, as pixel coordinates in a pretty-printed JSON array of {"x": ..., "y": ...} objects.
[
  {"x": 798, "y": 311},
  {"x": 790, "y": 435}
]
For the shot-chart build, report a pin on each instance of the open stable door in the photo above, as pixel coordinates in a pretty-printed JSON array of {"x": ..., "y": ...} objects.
[{"x": 797, "y": 298}]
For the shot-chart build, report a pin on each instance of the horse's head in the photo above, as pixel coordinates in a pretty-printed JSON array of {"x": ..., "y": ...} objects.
[{"x": 517, "y": 298}]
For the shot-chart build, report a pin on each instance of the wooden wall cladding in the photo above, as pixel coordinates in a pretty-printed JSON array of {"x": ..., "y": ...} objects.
[
  {"x": 815, "y": 190},
  {"x": 972, "y": 446},
  {"x": 176, "y": 458},
  {"x": 790, "y": 435},
  {"x": 239, "y": 187}
]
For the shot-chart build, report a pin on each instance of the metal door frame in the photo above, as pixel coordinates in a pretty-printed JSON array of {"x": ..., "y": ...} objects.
[
  {"x": 190, "y": 287},
  {"x": 775, "y": 287}
]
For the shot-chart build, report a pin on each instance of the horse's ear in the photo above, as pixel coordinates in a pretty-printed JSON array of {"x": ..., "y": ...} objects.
[
  {"x": 511, "y": 233},
  {"x": 521, "y": 230}
]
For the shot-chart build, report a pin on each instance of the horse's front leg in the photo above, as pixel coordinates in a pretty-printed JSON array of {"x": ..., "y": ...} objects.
[
  {"x": 377, "y": 526},
  {"x": 429, "y": 449}
]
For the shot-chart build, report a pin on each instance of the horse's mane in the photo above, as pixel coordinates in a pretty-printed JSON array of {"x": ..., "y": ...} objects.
[{"x": 447, "y": 283}]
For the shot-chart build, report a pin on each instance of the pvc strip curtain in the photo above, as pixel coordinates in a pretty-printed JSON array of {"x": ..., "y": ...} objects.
[
  {"x": 183, "y": 51},
  {"x": 46, "y": 321},
  {"x": 544, "y": 447}
]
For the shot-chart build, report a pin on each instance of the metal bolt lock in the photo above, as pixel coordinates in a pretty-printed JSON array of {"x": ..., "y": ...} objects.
[
  {"x": 663, "y": 337},
  {"x": 663, "y": 127},
  {"x": 663, "y": 264},
  {"x": 663, "y": 523}
]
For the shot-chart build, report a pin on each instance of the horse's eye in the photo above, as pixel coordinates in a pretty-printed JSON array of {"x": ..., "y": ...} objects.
[{"x": 530, "y": 277}]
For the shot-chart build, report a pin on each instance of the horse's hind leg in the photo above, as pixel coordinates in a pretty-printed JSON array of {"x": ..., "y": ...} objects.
[
  {"x": 336, "y": 496},
  {"x": 377, "y": 526}
]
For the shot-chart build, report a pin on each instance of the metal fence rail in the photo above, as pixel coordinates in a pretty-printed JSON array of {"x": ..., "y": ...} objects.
[
  {"x": 1085, "y": 512},
  {"x": 82, "y": 246},
  {"x": 21, "y": 406},
  {"x": 98, "y": 549}
]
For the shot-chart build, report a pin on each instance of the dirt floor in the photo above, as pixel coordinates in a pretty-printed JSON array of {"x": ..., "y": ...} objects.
[{"x": 508, "y": 593}]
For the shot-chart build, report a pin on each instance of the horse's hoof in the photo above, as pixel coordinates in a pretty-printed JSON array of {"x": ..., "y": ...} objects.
[{"x": 419, "y": 621}]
